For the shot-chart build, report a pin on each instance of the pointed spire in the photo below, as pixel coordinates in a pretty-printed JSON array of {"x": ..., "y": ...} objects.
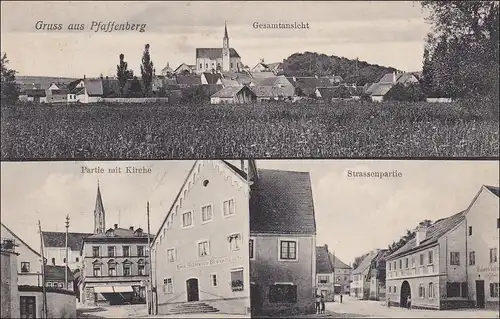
[
  {"x": 225, "y": 30},
  {"x": 99, "y": 213}
]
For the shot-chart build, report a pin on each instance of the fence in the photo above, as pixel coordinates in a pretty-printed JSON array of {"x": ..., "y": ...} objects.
[{"x": 134, "y": 99}]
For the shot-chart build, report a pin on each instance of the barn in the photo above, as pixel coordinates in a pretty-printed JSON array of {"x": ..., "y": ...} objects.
[{"x": 233, "y": 95}]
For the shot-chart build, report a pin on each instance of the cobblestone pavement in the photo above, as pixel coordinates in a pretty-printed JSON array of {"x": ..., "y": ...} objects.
[{"x": 378, "y": 309}]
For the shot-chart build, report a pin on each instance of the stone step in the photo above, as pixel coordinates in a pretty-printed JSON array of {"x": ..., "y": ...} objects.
[{"x": 199, "y": 307}]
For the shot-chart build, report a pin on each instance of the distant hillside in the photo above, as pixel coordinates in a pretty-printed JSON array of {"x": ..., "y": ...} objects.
[
  {"x": 311, "y": 64},
  {"x": 43, "y": 81}
]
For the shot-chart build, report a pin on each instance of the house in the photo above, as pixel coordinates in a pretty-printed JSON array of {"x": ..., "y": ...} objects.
[
  {"x": 431, "y": 267},
  {"x": 58, "y": 93},
  {"x": 85, "y": 90},
  {"x": 324, "y": 274},
  {"x": 185, "y": 81},
  {"x": 185, "y": 69},
  {"x": 376, "y": 276},
  {"x": 115, "y": 264},
  {"x": 274, "y": 88},
  {"x": 218, "y": 59},
  {"x": 29, "y": 267},
  {"x": 233, "y": 95},
  {"x": 55, "y": 277},
  {"x": 219, "y": 198},
  {"x": 342, "y": 275},
  {"x": 336, "y": 79},
  {"x": 228, "y": 82},
  {"x": 329, "y": 94},
  {"x": 360, "y": 285},
  {"x": 54, "y": 248},
  {"x": 33, "y": 95},
  {"x": 404, "y": 78},
  {"x": 377, "y": 91},
  {"x": 276, "y": 68},
  {"x": 483, "y": 229},
  {"x": 242, "y": 77},
  {"x": 210, "y": 78},
  {"x": 9, "y": 291},
  {"x": 356, "y": 92},
  {"x": 258, "y": 77},
  {"x": 306, "y": 86}
]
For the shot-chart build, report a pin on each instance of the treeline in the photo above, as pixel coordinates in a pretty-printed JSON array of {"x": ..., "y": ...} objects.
[
  {"x": 352, "y": 71},
  {"x": 461, "y": 54},
  {"x": 129, "y": 84}
]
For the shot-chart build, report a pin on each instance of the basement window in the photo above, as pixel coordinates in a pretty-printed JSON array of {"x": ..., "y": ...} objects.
[{"x": 283, "y": 293}]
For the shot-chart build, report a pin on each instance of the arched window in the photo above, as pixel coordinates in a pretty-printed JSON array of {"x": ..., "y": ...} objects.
[
  {"x": 141, "y": 267},
  {"x": 111, "y": 268},
  {"x": 53, "y": 261},
  {"x": 127, "y": 268},
  {"x": 431, "y": 290}
]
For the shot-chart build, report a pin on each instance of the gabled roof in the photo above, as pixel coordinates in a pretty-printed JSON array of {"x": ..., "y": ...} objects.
[
  {"x": 273, "y": 91},
  {"x": 259, "y": 76},
  {"x": 56, "y": 273},
  {"x": 20, "y": 240},
  {"x": 214, "y": 53},
  {"x": 274, "y": 65},
  {"x": 366, "y": 263},
  {"x": 35, "y": 92},
  {"x": 119, "y": 232},
  {"x": 493, "y": 189},
  {"x": 94, "y": 87},
  {"x": 58, "y": 239},
  {"x": 380, "y": 89},
  {"x": 281, "y": 202},
  {"x": 334, "y": 92},
  {"x": 309, "y": 84},
  {"x": 60, "y": 92},
  {"x": 337, "y": 263},
  {"x": 229, "y": 82},
  {"x": 212, "y": 78},
  {"x": 188, "y": 80},
  {"x": 230, "y": 91},
  {"x": 434, "y": 232},
  {"x": 323, "y": 263}
]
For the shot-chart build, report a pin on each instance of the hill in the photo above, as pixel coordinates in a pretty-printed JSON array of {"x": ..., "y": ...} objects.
[
  {"x": 43, "y": 81},
  {"x": 311, "y": 64}
]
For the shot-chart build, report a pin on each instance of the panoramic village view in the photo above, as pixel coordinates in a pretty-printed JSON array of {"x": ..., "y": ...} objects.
[
  {"x": 248, "y": 238},
  {"x": 302, "y": 104}
]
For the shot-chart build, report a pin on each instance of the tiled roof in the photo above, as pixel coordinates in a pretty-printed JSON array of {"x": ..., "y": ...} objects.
[
  {"x": 242, "y": 77},
  {"x": 182, "y": 65},
  {"x": 188, "y": 80},
  {"x": 337, "y": 263},
  {"x": 434, "y": 232},
  {"x": 281, "y": 202},
  {"x": 493, "y": 189},
  {"x": 56, "y": 273},
  {"x": 388, "y": 78},
  {"x": 365, "y": 264},
  {"x": 120, "y": 232},
  {"x": 229, "y": 91},
  {"x": 273, "y": 91},
  {"x": 380, "y": 89},
  {"x": 308, "y": 85},
  {"x": 274, "y": 65},
  {"x": 323, "y": 263},
  {"x": 60, "y": 92},
  {"x": 228, "y": 82},
  {"x": 334, "y": 92},
  {"x": 259, "y": 76},
  {"x": 35, "y": 92},
  {"x": 214, "y": 53},
  {"x": 212, "y": 78},
  {"x": 58, "y": 239},
  {"x": 94, "y": 87}
]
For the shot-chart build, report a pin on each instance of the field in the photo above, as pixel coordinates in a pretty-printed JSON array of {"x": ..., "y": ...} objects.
[{"x": 344, "y": 129}]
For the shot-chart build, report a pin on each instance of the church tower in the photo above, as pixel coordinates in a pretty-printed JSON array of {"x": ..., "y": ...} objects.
[
  {"x": 99, "y": 214},
  {"x": 226, "y": 58}
]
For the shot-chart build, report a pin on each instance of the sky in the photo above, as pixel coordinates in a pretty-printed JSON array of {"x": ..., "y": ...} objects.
[
  {"x": 389, "y": 33},
  {"x": 353, "y": 215}
]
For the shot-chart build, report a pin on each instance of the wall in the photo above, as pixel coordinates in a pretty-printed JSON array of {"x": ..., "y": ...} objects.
[
  {"x": 134, "y": 100},
  {"x": 343, "y": 278},
  {"x": 9, "y": 294},
  {"x": 60, "y": 303},
  {"x": 59, "y": 254},
  {"x": 222, "y": 185},
  {"x": 454, "y": 241},
  {"x": 482, "y": 217},
  {"x": 266, "y": 270},
  {"x": 329, "y": 286}
]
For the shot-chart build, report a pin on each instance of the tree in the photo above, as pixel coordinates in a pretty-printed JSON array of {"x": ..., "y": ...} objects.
[
  {"x": 409, "y": 93},
  {"x": 147, "y": 70},
  {"x": 123, "y": 74},
  {"x": 358, "y": 260},
  {"x": 135, "y": 88},
  {"x": 9, "y": 88},
  {"x": 410, "y": 234}
]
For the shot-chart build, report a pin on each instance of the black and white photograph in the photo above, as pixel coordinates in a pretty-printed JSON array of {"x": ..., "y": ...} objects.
[
  {"x": 230, "y": 79},
  {"x": 250, "y": 238}
]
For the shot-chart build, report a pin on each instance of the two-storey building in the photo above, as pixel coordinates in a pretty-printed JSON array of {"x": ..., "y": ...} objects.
[
  {"x": 342, "y": 275},
  {"x": 324, "y": 274},
  {"x": 483, "y": 225},
  {"x": 431, "y": 268},
  {"x": 54, "y": 248},
  {"x": 115, "y": 266},
  {"x": 361, "y": 284}
]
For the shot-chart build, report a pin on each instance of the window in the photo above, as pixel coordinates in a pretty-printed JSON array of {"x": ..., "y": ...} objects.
[
  {"x": 215, "y": 283},
  {"x": 77, "y": 259},
  {"x": 237, "y": 279},
  {"x": 61, "y": 285},
  {"x": 455, "y": 258},
  {"x": 126, "y": 251},
  {"x": 413, "y": 261},
  {"x": 430, "y": 256},
  {"x": 203, "y": 248},
  {"x": 283, "y": 293},
  {"x": 345, "y": 277},
  {"x": 97, "y": 270},
  {"x": 234, "y": 242},
  {"x": 111, "y": 268},
  {"x": 141, "y": 268},
  {"x": 206, "y": 213},
  {"x": 421, "y": 291},
  {"x": 96, "y": 252},
  {"x": 231, "y": 65},
  {"x": 53, "y": 261},
  {"x": 456, "y": 289},
  {"x": 472, "y": 258},
  {"x": 201, "y": 66},
  {"x": 251, "y": 248},
  {"x": 228, "y": 208},
  {"x": 187, "y": 219},
  {"x": 168, "y": 286},
  {"x": 206, "y": 65},
  {"x": 322, "y": 279},
  {"x": 421, "y": 259},
  {"x": 288, "y": 250},
  {"x": 390, "y": 264},
  {"x": 25, "y": 266},
  {"x": 390, "y": 289},
  {"x": 395, "y": 265},
  {"x": 493, "y": 255},
  {"x": 140, "y": 251},
  {"x": 494, "y": 288},
  {"x": 171, "y": 255},
  {"x": 401, "y": 264},
  {"x": 470, "y": 230},
  {"x": 406, "y": 263},
  {"x": 431, "y": 290},
  {"x": 394, "y": 289},
  {"x": 126, "y": 269},
  {"x": 111, "y": 251},
  {"x": 49, "y": 284},
  {"x": 64, "y": 260}
]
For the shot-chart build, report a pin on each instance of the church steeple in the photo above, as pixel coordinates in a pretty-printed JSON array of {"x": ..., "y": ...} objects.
[
  {"x": 99, "y": 213},
  {"x": 225, "y": 30},
  {"x": 226, "y": 64}
]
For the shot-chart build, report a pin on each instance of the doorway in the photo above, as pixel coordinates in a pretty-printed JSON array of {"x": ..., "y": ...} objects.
[
  {"x": 480, "y": 293},
  {"x": 28, "y": 307},
  {"x": 405, "y": 292},
  {"x": 192, "y": 290},
  {"x": 255, "y": 300}
]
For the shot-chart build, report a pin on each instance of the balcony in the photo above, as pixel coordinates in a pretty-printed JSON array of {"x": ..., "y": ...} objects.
[{"x": 8, "y": 244}]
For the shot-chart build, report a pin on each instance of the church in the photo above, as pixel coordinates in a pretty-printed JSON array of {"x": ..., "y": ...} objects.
[{"x": 223, "y": 59}]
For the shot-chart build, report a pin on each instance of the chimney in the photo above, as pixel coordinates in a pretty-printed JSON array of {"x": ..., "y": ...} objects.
[
  {"x": 131, "y": 227},
  {"x": 243, "y": 165},
  {"x": 84, "y": 77},
  {"x": 394, "y": 77},
  {"x": 253, "y": 174},
  {"x": 420, "y": 234},
  {"x": 326, "y": 247},
  {"x": 116, "y": 226},
  {"x": 262, "y": 60}
]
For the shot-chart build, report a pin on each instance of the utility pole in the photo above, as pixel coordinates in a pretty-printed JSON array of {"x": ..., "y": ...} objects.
[
  {"x": 333, "y": 275},
  {"x": 66, "y": 259},
  {"x": 148, "y": 287},
  {"x": 44, "y": 292}
]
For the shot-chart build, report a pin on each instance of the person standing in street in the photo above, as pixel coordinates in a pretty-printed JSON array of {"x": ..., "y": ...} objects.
[
  {"x": 322, "y": 304},
  {"x": 408, "y": 302},
  {"x": 341, "y": 296},
  {"x": 318, "y": 302}
]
